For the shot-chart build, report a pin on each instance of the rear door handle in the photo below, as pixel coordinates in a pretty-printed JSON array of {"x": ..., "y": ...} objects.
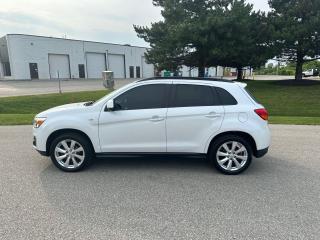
[
  {"x": 213, "y": 115},
  {"x": 156, "y": 119}
]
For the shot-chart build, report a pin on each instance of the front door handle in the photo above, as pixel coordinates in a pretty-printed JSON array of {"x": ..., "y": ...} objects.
[
  {"x": 156, "y": 119},
  {"x": 213, "y": 115}
]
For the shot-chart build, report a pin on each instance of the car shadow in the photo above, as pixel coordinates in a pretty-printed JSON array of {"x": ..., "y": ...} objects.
[{"x": 150, "y": 162}]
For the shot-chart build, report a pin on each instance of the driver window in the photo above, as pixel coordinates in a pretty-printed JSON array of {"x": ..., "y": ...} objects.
[{"x": 143, "y": 97}]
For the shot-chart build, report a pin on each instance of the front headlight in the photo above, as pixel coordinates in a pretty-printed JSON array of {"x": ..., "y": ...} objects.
[{"x": 38, "y": 121}]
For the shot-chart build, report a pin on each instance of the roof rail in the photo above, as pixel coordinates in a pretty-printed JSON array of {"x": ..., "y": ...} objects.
[{"x": 187, "y": 78}]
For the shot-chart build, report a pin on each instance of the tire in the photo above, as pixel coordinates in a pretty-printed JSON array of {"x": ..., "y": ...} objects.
[
  {"x": 74, "y": 147},
  {"x": 230, "y": 162}
]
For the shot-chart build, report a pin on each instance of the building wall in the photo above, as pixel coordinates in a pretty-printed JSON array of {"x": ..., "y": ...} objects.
[
  {"x": 212, "y": 71},
  {"x": 25, "y": 49}
]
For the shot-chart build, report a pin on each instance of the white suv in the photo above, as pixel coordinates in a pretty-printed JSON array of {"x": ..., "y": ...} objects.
[{"x": 182, "y": 116}]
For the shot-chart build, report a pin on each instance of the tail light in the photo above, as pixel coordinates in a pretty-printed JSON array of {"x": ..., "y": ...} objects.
[{"x": 263, "y": 113}]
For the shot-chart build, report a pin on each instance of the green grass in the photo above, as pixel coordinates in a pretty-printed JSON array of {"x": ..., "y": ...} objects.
[
  {"x": 295, "y": 120},
  {"x": 297, "y": 101},
  {"x": 21, "y": 110},
  {"x": 16, "y": 119},
  {"x": 286, "y": 104}
]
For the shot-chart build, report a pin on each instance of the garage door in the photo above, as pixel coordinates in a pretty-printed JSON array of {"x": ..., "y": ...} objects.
[
  {"x": 96, "y": 64},
  {"x": 147, "y": 69},
  {"x": 59, "y": 66},
  {"x": 117, "y": 65}
]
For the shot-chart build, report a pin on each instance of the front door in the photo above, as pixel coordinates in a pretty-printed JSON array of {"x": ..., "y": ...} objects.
[
  {"x": 81, "y": 71},
  {"x": 138, "y": 121},
  {"x": 34, "y": 71},
  {"x": 193, "y": 116}
]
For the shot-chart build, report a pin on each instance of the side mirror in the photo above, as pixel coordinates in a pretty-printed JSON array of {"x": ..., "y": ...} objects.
[{"x": 110, "y": 105}]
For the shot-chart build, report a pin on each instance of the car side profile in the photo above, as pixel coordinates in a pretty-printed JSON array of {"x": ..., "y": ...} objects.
[{"x": 177, "y": 116}]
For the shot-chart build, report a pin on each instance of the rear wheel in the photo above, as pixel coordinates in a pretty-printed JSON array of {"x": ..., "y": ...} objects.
[
  {"x": 71, "y": 152},
  {"x": 230, "y": 154}
]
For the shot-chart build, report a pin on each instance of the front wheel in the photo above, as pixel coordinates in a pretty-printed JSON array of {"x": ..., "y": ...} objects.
[
  {"x": 71, "y": 152},
  {"x": 230, "y": 154}
]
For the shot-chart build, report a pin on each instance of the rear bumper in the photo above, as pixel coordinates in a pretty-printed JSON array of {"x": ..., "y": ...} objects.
[{"x": 261, "y": 153}]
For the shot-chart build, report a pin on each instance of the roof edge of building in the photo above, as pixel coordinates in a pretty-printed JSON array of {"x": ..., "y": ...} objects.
[{"x": 71, "y": 39}]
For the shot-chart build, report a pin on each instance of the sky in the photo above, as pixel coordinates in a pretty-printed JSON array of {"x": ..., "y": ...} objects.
[{"x": 96, "y": 20}]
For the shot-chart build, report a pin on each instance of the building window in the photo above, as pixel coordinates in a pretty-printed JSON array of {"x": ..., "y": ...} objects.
[
  {"x": 138, "y": 74},
  {"x": 6, "y": 69},
  {"x": 131, "y": 68}
]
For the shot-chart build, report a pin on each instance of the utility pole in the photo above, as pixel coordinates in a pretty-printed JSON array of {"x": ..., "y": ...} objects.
[{"x": 59, "y": 80}]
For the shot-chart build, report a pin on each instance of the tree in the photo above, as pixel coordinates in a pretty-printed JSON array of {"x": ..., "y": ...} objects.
[
  {"x": 207, "y": 33},
  {"x": 183, "y": 37},
  {"x": 297, "y": 31},
  {"x": 167, "y": 51},
  {"x": 247, "y": 37}
]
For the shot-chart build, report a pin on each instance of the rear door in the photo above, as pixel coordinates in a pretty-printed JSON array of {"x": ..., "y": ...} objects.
[{"x": 193, "y": 116}]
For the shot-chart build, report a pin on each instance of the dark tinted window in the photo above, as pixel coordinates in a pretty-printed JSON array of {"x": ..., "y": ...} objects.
[
  {"x": 225, "y": 97},
  {"x": 143, "y": 97},
  {"x": 193, "y": 95}
]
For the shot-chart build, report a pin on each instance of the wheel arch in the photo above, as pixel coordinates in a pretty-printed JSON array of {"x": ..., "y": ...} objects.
[
  {"x": 245, "y": 135},
  {"x": 59, "y": 132}
]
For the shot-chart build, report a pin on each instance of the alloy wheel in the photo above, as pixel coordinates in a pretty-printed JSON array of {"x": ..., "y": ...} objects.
[
  {"x": 69, "y": 153},
  {"x": 232, "y": 156}
]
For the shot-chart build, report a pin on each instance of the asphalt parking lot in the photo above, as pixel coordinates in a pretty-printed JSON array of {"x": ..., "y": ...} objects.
[
  {"x": 27, "y": 87},
  {"x": 134, "y": 198},
  {"x": 34, "y": 87}
]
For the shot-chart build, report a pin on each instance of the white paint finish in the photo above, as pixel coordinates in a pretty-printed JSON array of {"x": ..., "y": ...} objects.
[
  {"x": 116, "y": 63},
  {"x": 70, "y": 116},
  {"x": 59, "y": 66},
  {"x": 132, "y": 131},
  {"x": 96, "y": 63},
  {"x": 243, "y": 117},
  {"x": 25, "y": 49},
  {"x": 147, "y": 69},
  {"x": 188, "y": 129}
]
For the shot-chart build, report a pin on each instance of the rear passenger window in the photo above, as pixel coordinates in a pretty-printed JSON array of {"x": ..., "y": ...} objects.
[
  {"x": 187, "y": 95},
  {"x": 226, "y": 99}
]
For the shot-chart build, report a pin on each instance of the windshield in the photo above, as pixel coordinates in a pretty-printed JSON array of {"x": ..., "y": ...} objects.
[{"x": 112, "y": 94}]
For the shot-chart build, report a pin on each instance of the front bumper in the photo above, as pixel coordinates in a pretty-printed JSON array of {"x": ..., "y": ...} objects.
[
  {"x": 34, "y": 143},
  {"x": 42, "y": 153}
]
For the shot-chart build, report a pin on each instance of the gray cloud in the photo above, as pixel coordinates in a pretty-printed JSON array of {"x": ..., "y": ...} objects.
[{"x": 98, "y": 20}]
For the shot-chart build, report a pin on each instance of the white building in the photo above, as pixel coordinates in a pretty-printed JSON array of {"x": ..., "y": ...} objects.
[{"x": 25, "y": 57}]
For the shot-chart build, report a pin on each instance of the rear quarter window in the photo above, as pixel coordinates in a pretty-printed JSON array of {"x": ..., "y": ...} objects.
[{"x": 226, "y": 99}]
